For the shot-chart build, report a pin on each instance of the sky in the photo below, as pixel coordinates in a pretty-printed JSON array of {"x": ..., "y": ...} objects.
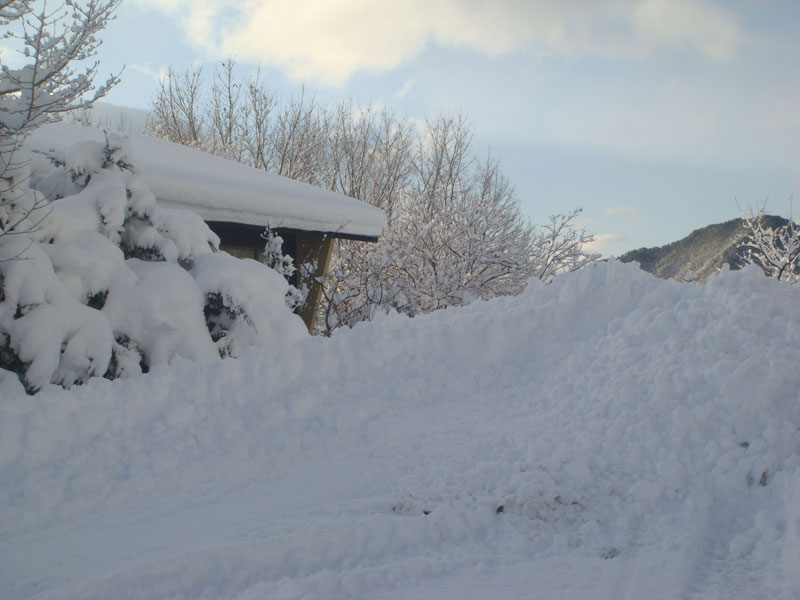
[{"x": 655, "y": 116}]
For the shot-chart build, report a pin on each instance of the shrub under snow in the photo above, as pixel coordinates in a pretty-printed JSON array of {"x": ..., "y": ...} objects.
[{"x": 104, "y": 281}]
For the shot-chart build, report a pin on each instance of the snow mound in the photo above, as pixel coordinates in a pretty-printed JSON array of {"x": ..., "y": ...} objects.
[{"x": 609, "y": 435}]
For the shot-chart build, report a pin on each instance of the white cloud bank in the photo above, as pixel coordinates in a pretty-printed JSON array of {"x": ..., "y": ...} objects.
[{"x": 328, "y": 41}]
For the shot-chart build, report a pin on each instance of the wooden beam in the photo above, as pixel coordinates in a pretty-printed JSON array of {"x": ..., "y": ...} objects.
[
  {"x": 313, "y": 248},
  {"x": 239, "y": 234}
]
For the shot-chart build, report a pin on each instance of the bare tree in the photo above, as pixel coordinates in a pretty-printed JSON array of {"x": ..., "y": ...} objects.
[
  {"x": 468, "y": 237},
  {"x": 560, "y": 247},
  {"x": 226, "y": 114},
  {"x": 299, "y": 139},
  {"x": 52, "y": 40},
  {"x": 775, "y": 249},
  {"x": 456, "y": 235},
  {"x": 177, "y": 110},
  {"x": 257, "y": 111},
  {"x": 370, "y": 155}
]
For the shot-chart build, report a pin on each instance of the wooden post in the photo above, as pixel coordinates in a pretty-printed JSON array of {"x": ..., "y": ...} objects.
[{"x": 313, "y": 247}]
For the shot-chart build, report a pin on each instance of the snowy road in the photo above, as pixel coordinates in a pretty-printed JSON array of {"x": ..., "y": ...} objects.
[{"x": 356, "y": 525}]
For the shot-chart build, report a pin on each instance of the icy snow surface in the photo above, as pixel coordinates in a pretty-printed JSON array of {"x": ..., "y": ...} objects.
[
  {"x": 611, "y": 435},
  {"x": 221, "y": 190}
]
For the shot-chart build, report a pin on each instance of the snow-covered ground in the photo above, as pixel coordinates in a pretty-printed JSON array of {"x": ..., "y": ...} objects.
[{"x": 608, "y": 436}]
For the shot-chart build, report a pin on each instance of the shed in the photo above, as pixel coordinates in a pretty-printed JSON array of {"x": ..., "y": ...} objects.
[{"x": 239, "y": 202}]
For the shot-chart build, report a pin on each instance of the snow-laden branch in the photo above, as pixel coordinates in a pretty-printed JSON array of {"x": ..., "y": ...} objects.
[
  {"x": 775, "y": 249},
  {"x": 56, "y": 43}
]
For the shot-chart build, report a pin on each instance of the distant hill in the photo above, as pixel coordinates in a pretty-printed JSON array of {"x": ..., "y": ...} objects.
[{"x": 703, "y": 251}]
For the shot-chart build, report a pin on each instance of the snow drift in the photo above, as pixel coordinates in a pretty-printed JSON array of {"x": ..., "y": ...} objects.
[{"x": 609, "y": 435}]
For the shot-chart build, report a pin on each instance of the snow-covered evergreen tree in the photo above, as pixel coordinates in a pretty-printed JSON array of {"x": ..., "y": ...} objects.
[{"x": 110, "y": 283}]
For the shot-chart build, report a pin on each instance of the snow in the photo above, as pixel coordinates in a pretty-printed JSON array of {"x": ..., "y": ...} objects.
[
  {"x": 221, "y": 190},
  {"x": 252, "y": 300},
  {"x": 610, "y": 435},
  {"x": 162, "y": 309},
  {"x": 62, "y": 340}
]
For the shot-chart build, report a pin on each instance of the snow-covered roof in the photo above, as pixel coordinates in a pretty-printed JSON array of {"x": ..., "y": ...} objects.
[{"x": 222, "y": 190}]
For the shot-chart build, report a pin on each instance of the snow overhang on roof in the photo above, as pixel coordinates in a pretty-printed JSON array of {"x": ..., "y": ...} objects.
[{"x": 222, "y": 190}]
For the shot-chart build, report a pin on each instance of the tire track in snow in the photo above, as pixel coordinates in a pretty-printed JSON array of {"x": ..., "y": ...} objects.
[{"x": 715, "y": 573}]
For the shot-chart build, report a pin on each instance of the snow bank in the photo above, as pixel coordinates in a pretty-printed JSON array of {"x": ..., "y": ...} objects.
[{"x": 609, "y": 435}]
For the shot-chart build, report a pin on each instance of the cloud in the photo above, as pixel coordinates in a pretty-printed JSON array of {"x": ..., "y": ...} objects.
[
  {"x": 147, "y": 70},
  {"x": 625, "y": 210},
  {"x": 328, "y": 41},
  {"x": 603, "y": 241},
  {"x": 406, "y": 88},
  {"x": 704, "y": 26}
]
